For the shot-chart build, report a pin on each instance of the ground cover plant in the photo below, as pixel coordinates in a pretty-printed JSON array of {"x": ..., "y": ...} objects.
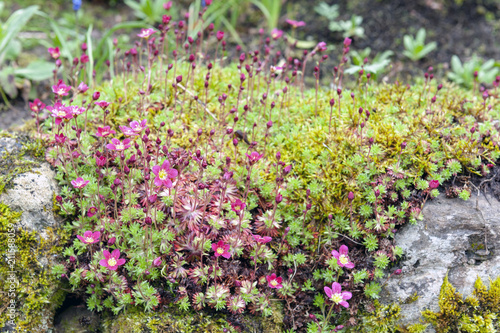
[{"x": 222, "y": 183}]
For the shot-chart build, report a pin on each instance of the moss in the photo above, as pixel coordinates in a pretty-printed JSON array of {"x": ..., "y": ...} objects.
[{"x": 476, "y": 313}]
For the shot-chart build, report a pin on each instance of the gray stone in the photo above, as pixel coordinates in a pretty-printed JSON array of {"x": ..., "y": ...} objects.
[
  {"x": 32, "y": 193},
  {"x": 457, "y": 237}
]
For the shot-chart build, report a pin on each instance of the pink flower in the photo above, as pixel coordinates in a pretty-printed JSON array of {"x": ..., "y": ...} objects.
[
  {"x": 75, "y": 110},
  {"x": 167, "y": 5},
  {"x": 89, "y": 237},
  {"x": 128, "y": 131},
  {"x": 60, "y": 112},
  {"x": 254, "y": 157},
  {"x": 295, "y": 24},
  {"x": 433, "y": 184},
  {"x": 102, "y": 104},
  {"x": 146, "y": 33},
  {"x": 92, "y": 211},
  {"x": 219, "y": 35},
  {"x": 100, "y": 161},
  {"x": 138, "y": 127},
  {"x": 157, "y": 262},
  {"x": 262, "y": 240},
  {"x": 79, "y": 182},
  {"x": 237, "y": 206},
  {"x": 61, "y": 89},
  {"x": 321, "y": 47},
  {"x": 117, "y": 145},
  {"x": 37, "y": 106},
  {"x": 164, "y": 174},
  {"x": 342, "y": 257},
  {"x": 221, "y": 249},
  {"x": 54, "y": 52},
  {"x": 82, "y": 88},
  {"x": 60, "y": 139},
  {"x": 104, "y": 131},
  {"x": 276, "y": 34},
  {"x": 347, "y": 42},
  {"x": 337, "y": 296},
  {"x": 84, "y": 59},
  {"x": 112, "y": 260},
  {"x": 273, "y": 281}
]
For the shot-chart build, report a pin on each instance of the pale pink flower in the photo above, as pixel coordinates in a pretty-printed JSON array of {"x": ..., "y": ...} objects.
[
  {"x": 112, "y": 260},
  {"x": 79, "y": 182},
  {"x": 146, "y": 33},
  {"x": 295, "y": 24},
  {"x": 118, "y": 145},
  {"x": 89, "y": 237},
  {"x": 104, "y": 131}
]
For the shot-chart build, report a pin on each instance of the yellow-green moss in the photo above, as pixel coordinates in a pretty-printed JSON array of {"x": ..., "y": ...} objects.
[{"x": 476, "y": 313}]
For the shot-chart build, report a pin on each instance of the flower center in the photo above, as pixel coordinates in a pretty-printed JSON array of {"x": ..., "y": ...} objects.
[
  {"x": 343, "y": 259},
  {"x": 274, "y": 283},
  {"x": 237, "y": 207},
  {"x": 61, "y": 113},
  {"x": 112, "y": 262},
  {"x": 162, "y": 174},
  {"x": 89, "y": 239},
  {"x": 120, "y": 146},
  {"x": 220, "y": 250},
  {"x": 336, "y": 298}
]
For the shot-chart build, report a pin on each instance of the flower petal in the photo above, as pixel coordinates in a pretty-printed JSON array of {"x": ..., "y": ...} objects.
[
  {"x": 115, "y": 253},
  {"x": 103, "y": 262},
  {"x": 344, "y": 304},
  {"x": 336, "y": 288},
  {"x": 106, "y": 254},
  {"x": 165, "y": 165},
  {"x": 349, "y": 265},
  {"x": 158, "y": 181},
  {"x": 343, "y": 249},
  {"x": 120, "y": 262},
  {"x": 346, "y": 295},
  {"x": 328, "y": 292},
  {"x": 226, "y": 255},
  {"x": 156, "y": 169},
  {"x": 335, "y": 254}
]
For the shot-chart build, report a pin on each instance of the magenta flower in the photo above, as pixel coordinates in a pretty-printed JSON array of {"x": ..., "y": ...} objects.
[
  {"x": 164, "y": 174},
  {"x": 79, "y": 182},
  {"x": 112, "y": 260},
  {"x": 138, "y": 127},
  {"x": 60, "y": 112},
  {"x": 433, "y": 184},
  {"x": 117, "y": 145},
  {"x": 167, "y": 5},
  {"x": 84, "y": 59},
  {"x": 75, "y": 110},
  {"x": 54, "y": 52},
  {"x": 102, "y": 104},
  {"x": 92, "y": 211},
  {"x": 100, "y": 161},
  {"x": 157, "y": 262},
  {"x": 128, "y": 131},
  {"x": 276, "y": 34},
  {"x": 296, "y": 24},
  {"x": 262, "y": 240},
  {"x": 104, "y": 131},
  {"x": 337, "y": 296},
  {"x": 347, "y": 42},
  {"x": 221, "y": 249},
  {"x": 219, "y": 35},
  {"x": 237, "y": 206},
  {"x": 146, "y": 33},
  {"x": 89, "y": 237},
  {"x": 82, "y": 88},
  {"x": 274, "y": 282},
  {"x": 321, "y": 47},
  {"x": 254, "y": 157},
  {"x": 37, "y": 106},
  {"x": 60, "y": 139},
  {"x": 61, "y": 89},
  {"x": 342, "y": 257}
]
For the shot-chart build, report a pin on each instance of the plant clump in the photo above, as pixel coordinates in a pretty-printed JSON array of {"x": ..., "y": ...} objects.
[{"x": 208, "y": 180}]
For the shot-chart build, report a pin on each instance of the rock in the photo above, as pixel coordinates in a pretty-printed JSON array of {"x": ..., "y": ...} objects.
[
  {"x": 455, "y": 236},
  {"x": 33, "y": 194}
]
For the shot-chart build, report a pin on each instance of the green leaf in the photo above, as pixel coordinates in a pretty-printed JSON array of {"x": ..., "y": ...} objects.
[
  {"x": 13, "y": 26},
  {"x": 37, "y": 70}
]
